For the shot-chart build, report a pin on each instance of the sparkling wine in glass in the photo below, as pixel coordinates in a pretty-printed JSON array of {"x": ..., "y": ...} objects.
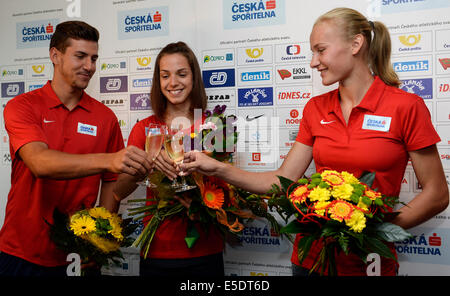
[
  {"x": 153, "y": 142},
  {"x": 174, "y": 146}
]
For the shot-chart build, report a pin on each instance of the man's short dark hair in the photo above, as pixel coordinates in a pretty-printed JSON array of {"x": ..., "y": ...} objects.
[{"x": 77, "y": 30}]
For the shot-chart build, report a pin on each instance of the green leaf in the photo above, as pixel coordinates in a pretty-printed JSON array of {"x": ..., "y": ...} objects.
[
  {"x": 391, "y": 232},
  {"x": 367, "y": 178},
  {"x": 285, "y": 183},
  {"x": 293, "y": 227},
  {"x": 379, "y": 247},
  {"x": 304, "y": 245}
]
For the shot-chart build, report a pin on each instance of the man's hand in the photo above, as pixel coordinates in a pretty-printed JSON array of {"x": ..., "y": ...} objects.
[{"x": 133, "y": 161}]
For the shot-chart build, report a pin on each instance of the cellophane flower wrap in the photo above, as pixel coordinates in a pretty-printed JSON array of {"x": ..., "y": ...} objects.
[
  {"x": 214, "y": 202},
  {"x": 341, "y": 211},
  {"x": 95, "y": 234}
]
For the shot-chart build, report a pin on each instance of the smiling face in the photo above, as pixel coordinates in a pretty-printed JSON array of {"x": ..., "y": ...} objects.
[
  {"x": 77, "y": 64},
  {"x": 332, "y": 54},
  {"x": 176, "y": 78}
]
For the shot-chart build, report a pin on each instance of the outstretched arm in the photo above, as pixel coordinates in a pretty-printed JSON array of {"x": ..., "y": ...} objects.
[
  {"x": 48, "y": 163},
  {"x": 293, "y": 167}
]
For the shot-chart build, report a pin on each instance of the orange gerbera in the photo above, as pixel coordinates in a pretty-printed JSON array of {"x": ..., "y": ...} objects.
[
  {"x": 213, "y": 197},
  {"x": 341, "y": 210},
  {"x": 333, "y": 178},
  {"x": 372, "y": 194},
  {"x": 300, "y": 194}
]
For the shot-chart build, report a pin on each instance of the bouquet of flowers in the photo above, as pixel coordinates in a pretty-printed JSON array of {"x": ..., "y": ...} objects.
[
  {"x": 213, "y": 201},
  {"x": 341, "y": 211},
  {"x": 95, "y": 234}
]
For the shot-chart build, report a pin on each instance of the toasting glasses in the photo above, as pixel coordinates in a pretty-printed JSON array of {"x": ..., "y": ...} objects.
[
  {"x": 174, "y": 146},
  {"x": 153, "y": 142}
]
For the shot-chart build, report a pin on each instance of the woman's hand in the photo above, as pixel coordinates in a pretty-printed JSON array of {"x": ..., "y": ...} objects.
[
  {"x": 166, "y": 165},
  {"x": 196, "y": 161}
]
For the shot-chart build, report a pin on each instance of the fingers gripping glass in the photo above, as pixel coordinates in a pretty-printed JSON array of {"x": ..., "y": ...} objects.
[
  {"x": 173, "y": 144},
  {"x": 154, "y": 139}
]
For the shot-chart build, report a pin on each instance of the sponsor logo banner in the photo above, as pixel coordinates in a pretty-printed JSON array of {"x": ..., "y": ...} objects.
[
  {"x": 443, "y": 87},
  {"x": 398, "y": 6},
  {"x": 293, "y": 94},
  {"x": 290, "y": 117},
  {"x": 142, "y": 63},
  {"x": 218, "y": 58},
  {"x": 252, "y": 13},
  {"x": 255, "y": 76},
  {"x": 218, "y": 78},
  {"x": 442, "y": 40},
  {"x": 12, "y": 72},
  {"x": 421, "y": 87},
  {"x": 113, "y": 84},
  {"x": 12, "y": 89},
  {"x": 443, "y": 64},
  {"x": 113, "y": 66},
  {"x": 301, "y": 73},
  {"x": 35, "y": 34},
  {"x": 412, "y": 42},
  {"x": 40, "y": 71},
  {"x": 222, "y": 97},
  {"x": 143, "y": 23},
  {"x": 254, "y": 55},
  {"x": 140, "y": 102},
  {"x": 116, "y": 102},
  {"x": 413, "y": 65},
  {"x": 292, "y": 52},
  {"x": 249, "y": 97},
  {"x": 140, "y": 83}
]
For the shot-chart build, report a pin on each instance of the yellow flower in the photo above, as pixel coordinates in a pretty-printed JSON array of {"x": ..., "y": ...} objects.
[
  {"x": 319, "y": 194},
  {"x": 116, "y": 230},
  {"x": 99, "y": 212},
  {"x": 82, "y": 225},
  {"x": 320, "y": 207},
  {"x": 349, "y": 178},
  {"x": 102, "y": 243},
  {"x": 333, "y": 178},
  {"x": 341, "y": 210},
  {"x": 357, "y": 221},
  {"x": 362, "y": 205},
  {"x": 193, "y": 135},
  {"x": 343, "y": 191}
]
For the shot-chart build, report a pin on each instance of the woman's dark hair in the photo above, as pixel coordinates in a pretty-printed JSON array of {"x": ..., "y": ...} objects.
[
  {"x": 77, "y": 30},
  {"x": 197, "y": 96}
]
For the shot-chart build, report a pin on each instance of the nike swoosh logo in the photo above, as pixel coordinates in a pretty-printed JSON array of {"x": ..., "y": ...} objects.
[
  {"x": 48, "y": 121},
  {"x": 326, "y": 122},
  {"x": 253, "y": 118}
]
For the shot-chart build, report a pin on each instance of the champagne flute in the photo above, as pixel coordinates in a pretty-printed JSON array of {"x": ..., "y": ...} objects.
[
  {"x": 153, "y": 142},
  {"x": 174, "y": 146}
]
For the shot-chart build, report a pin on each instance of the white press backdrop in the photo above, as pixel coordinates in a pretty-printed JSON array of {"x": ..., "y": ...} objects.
[{"x": 237, "y": 38}]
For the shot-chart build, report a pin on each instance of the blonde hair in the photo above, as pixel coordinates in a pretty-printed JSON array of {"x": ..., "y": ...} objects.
[{"x": 353, "y": 23}]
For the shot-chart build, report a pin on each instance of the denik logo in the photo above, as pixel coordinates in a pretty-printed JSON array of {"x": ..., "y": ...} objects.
[
  {"x": 255, "y": 76},
  {"x": 411, "y": 66},
  {"x": 421, "y": 87},
  {"x": 219, "y": 78},
  {"x": 142, "y": 82},
  {"x": 248, "y": 97}
]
